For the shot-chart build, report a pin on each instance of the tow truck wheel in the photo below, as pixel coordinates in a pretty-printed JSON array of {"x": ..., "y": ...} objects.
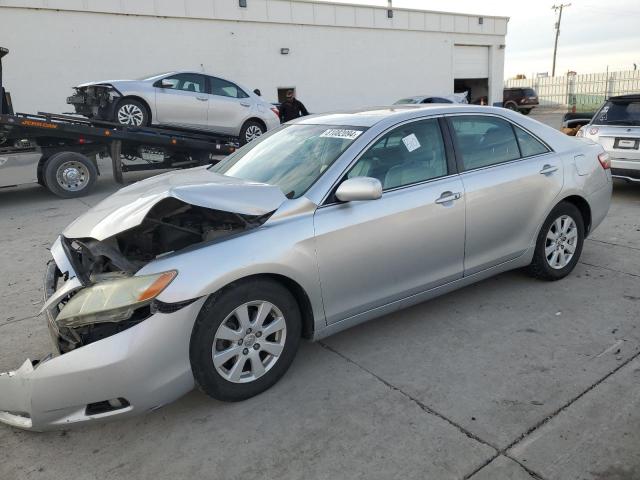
[
  {"x": 69, "y": 174},
  {"x": 132, "y": 112}
]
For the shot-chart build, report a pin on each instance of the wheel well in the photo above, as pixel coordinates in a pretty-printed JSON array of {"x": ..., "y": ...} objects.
[
  {"x": 139, "y": 99},
  {"x": 255, "y": 119},
  {"x": 582, "y": 205},
  {"x": 306, "y": 310}
]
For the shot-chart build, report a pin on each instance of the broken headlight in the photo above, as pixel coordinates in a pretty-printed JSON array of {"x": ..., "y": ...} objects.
[{"x": 113, "y": 300}]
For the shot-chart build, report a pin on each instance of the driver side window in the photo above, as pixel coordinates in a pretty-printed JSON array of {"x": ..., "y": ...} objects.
[
  {"x": 188, "y": 82},
  {"x": 408, "y": 154}
]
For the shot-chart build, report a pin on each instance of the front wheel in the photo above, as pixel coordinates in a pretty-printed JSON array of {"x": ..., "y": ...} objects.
[
  {"x": 244, "y": 339},
  {"x": 132, "y": 112},
  {"x": 69, "y": 174},
  {"x": 559, "y": 243},
  {"x": 250, "y": 131}
]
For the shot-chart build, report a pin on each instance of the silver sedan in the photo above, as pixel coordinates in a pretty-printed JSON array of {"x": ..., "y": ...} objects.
[
  {"x": 182, "y": 99},
  {"x": 209, "y": 277}
]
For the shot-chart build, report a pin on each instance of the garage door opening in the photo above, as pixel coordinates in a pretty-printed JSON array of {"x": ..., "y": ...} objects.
[
  {"x": 471, "y": 72},
  {"x": 477, "y": 89}
]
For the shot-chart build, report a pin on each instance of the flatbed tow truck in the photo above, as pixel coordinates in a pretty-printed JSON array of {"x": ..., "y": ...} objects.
[{"x": 60, "y": 151}]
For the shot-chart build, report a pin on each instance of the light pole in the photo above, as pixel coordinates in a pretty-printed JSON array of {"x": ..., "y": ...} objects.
[{"x": 555, "y": 46}]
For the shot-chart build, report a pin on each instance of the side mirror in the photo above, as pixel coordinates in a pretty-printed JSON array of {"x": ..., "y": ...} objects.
[
  {"x": 359, "y": 188},
  {"x": 165, "y": 83}
]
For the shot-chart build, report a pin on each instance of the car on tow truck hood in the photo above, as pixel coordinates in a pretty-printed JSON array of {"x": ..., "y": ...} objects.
[{"x": 209, "y": 277}]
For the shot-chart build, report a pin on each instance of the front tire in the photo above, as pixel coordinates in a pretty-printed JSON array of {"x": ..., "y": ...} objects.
[
  {"x": 559, "y": 243},
  {"x": 69, "y": 174},
  {"x": 132, "y": 113},
  {"x": 250, "y": 131},
  {"x": 244, "y": 340}
]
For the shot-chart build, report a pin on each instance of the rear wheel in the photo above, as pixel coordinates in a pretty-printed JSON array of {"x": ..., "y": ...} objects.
[
  {"x": 250, "y": 131},
  {"x": 511, "y": 106},
  {"x": 244, "y": 339},
  {"x": 525, "y": 111},
  {"x": 132, "y": 112},
  {"x": 559, "y": 243},
  {"x": 69, "y": 174}
]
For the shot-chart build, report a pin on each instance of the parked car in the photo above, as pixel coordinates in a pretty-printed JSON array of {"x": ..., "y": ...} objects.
[
  {"x": 522, "y": 100},
  {"x": 182, "y": 99},
  {"x": 210, "y": 276},
  {"x": 616, "y": 126},
  {"x": 418, "y": 99}
]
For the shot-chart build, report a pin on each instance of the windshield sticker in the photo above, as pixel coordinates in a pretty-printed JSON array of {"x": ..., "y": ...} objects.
[
  {"x": 341, "y": 133},
  {"x": 603, "y": 114},
  {"x": 411, "y": 142}
]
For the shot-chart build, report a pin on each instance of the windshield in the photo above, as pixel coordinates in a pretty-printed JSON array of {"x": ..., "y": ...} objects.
[
  {"x": 618, "y": 113},
  {"x": 153, "y": 77},
  {"x": 404, "y": 101},
  {"x": 292, "y": 157}
]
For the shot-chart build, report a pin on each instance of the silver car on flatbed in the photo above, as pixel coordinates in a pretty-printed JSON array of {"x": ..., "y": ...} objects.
[
  {"x": 183, "y": 99},
  {"x": 616, "y": 126},
  {"x": 209, "y": 277}
]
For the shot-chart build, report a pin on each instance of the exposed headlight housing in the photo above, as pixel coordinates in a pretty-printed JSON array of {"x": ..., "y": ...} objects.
[{"x": 113, "y": 300}]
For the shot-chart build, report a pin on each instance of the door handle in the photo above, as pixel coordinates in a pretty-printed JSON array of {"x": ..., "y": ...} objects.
[
  {"x": 203, "y": 99},
  {"x": 547, "y": 169},
  {"x": 245, "y": 104},
  {"x": 447, "y": 197}
]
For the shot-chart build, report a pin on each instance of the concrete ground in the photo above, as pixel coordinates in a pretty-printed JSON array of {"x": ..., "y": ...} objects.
[{"x": 511, "y": 378}]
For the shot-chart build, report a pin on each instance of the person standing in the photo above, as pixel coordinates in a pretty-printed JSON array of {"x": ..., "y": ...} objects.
[{"x": 291, "y": 108}]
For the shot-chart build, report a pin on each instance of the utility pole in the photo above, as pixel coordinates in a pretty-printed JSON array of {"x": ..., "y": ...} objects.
[{"x": 555, "y": 47}]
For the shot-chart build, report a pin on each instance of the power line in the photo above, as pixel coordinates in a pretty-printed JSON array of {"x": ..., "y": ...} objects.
[{"x": 557, "y": 8}]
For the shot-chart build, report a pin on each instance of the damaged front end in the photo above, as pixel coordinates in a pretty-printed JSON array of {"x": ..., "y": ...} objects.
[
  {"x": 119, "y": 350},
  {"x": 94, "y": 100},
  {"x": 170, "y": 226}
]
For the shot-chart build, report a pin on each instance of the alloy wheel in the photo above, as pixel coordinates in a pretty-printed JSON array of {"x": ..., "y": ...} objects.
[
  {"x": 253, "y": 132},
  {"x": 561, "y": 242},
  {"x": 72, "y": 176},
  {"x": 249, "y": 341},
  {"x": 130, "y": 114}
]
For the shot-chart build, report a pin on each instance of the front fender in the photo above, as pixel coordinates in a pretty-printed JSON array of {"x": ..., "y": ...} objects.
[{"x": 286, "y": 248}]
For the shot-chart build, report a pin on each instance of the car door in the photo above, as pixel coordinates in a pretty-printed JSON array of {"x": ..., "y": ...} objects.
[
  {"x": 184, "y": 103},
  {"x": 229, "y": 106},
  {"x": 510, "y": 178},
  {"x": 371, "y": 253}
]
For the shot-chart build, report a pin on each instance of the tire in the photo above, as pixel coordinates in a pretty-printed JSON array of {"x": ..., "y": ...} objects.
[
  {"x": 543, "y": 266},
  {"x": 251, "y": 130},
  {"x": 511, "y": 106},
  {"x": 234, "y": 376},
  {"x": 131, "y": 112},
  {"x": 526, "y": 111},
  {"x": 69, "y": 174}
]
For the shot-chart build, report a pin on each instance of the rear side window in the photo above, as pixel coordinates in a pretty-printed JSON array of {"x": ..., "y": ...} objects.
[
  {"x": 483, "y": 141},
  {"x": 226, "y": 89},
  {"x": 529, "y": 145}
]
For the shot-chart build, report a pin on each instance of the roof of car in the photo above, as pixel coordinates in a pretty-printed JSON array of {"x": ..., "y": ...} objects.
[
  {"x": 371, "y": 116},
  {"x": 632, "y": 97}
]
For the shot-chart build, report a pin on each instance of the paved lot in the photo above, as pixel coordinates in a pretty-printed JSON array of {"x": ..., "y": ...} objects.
[{"x": 511, "y": 378}]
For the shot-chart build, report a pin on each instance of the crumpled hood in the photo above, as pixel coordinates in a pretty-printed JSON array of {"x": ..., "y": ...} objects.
[
  {"x": 198, "y": 186},
  {"x": 105, "y": 82}
]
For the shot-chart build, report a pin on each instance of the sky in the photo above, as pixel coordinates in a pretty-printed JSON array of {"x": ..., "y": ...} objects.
[{"x": 593, "y": 34}]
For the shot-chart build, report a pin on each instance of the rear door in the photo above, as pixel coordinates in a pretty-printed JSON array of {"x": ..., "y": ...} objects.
[
  {"x": 184, "y": 104},
  {"x": 229, "y": 106},
  {"x": 511, "y": 179}
]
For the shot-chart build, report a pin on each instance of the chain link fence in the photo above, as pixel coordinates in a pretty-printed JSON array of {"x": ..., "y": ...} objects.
[{"x": 584, "y": 92}]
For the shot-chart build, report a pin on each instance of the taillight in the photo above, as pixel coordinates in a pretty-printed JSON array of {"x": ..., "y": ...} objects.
[
  {"x": 604, "y": 160},
  {"x": 275, "y": 111}
]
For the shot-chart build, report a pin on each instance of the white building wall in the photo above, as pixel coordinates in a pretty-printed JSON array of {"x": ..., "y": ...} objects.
[{"x": 341, "y": 56}]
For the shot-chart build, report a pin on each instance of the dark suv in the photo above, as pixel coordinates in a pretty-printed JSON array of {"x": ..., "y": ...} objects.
[{"x": 520, "y": 99}]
